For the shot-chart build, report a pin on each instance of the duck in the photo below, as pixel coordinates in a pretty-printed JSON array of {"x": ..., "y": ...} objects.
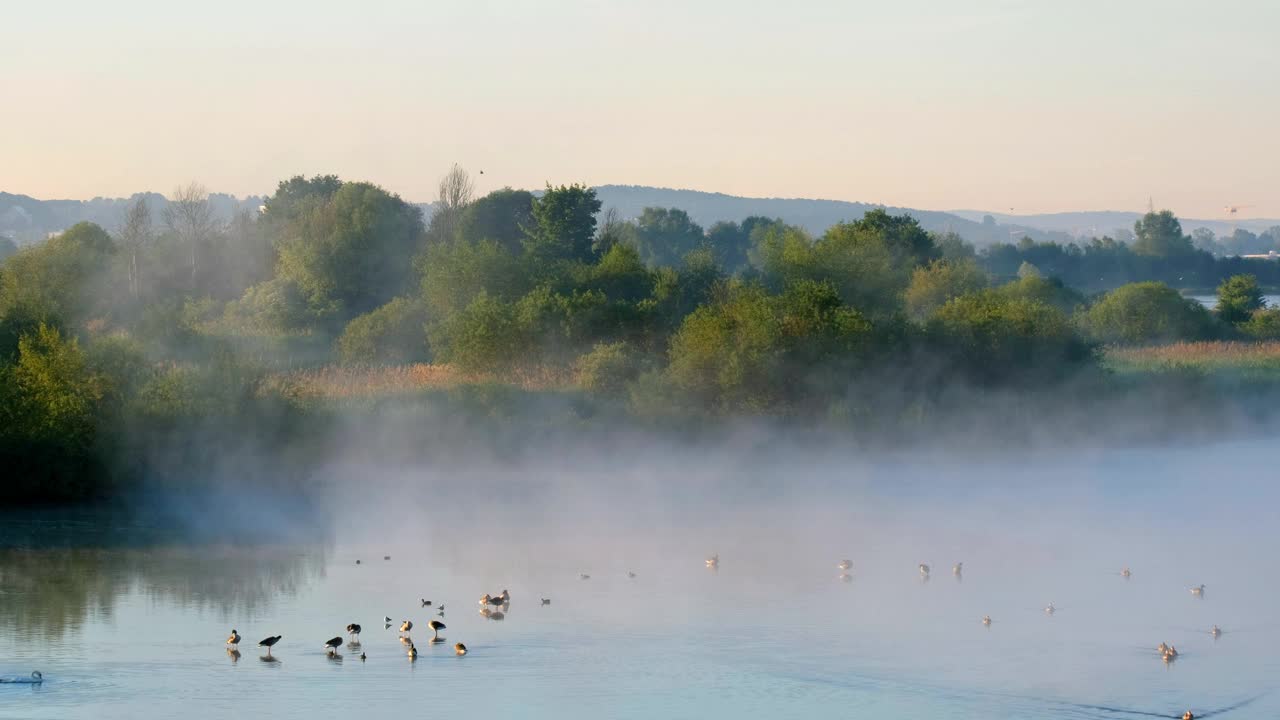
[
  {"x": 413, "y": 652},
  {"x": 459, "y": 649},
  {"x": 546, "y": 601},
  {"x": 353, "y": 632},
  {"x": 234, "y": 639},
  {"x": 844, "y": 564},
  {"x": 386, "y": 557},
  {"x": 1171, "y": 654},
  {"x": 631, "y": 575},
  {"x": 362, "y": 657},
  {"x": 1162, "y": 648},
  {"x": 332, "y": 644},
  {"x": 435, "y": 626},
  {"x": 986, "y": 620},
  {"x": 406, "y": 626},
  {"x": 425, "y": 602},
  {"x": 1198, "y": 590},
  {"x": 714, "y": 561},
  {"x": 269, "y": 642},
  {"x": 583, "y": 576}
]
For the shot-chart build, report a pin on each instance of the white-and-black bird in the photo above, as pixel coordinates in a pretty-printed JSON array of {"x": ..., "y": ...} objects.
[
  {"x": 546, "y": 601},
  {"x": 924, "y": 570},
  {"x": 353, "y": 632},
  {"x": 234, "y": 639},
  {"x": 435, "y": 626},
  {"x": 332, "y": 644},
  {"x": 459, "y": 649},
  {"x": 269, "y": 642},
  {"x": 406, "y": 626},
  {"x": 413, "y": 652}
]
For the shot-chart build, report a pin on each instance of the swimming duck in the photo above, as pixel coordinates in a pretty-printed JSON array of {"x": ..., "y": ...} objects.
[
  {"x": 234, "y": 639},
  {"x": 631, "y": 575},
  {"x": 386, "y": 619},
  {"x": 353, "y": 632},
  {"x": 362, "y": 657},
  {"x": 332, "y": 644},
  {"x": 269, "y": 642},
  {"x": 1188, "y": 716},
  {"x": 459, "y": 649},
  {"x": 413, "y": 652},
  {"x": 426, "y": 602}
]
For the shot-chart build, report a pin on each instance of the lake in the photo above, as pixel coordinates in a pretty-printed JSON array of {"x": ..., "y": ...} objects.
[
  {"x": 1211, "y": 301},
  {"x": 125, "y": 620}
]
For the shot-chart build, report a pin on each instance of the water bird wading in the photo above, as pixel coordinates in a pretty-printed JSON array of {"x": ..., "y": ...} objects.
[
  {"x": 353, "y": 632},
  {"x": 234, "y": 639},
  {"x": 332, "y": 644},
  {"x": 406, "y": 626},
  {"x": 269, "y": 642},
  {"x": 435, "y": 626}
]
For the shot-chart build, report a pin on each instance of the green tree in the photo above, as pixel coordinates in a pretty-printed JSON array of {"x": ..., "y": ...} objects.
[
  {"x": 933, "y": 285},
  {"x": 7, "y": 247},
  {"x": 394, "y": 334},
  {"x": 485, "y": 336},
  {"x": 564, "y": 223},
  {"x": 1160, "y": 235},
  {"x": 1050, "y": 291},
  {"x": 454, "y": 275},
  {"x": 1263, "y": 324},
  {"x": 1238, "y": 297},
  {"x": 1147, "y": 313},
  {"x": 353, "y": 252},
  {"x": 608, "y": 368},
  {"x": 503, "y": 216},
  {"x": 665, "y": 235}
]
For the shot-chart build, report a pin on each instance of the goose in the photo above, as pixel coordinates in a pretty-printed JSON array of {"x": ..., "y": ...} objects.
[
  {"x": 1198, "y": 590},
  {"x": 459, "y": 649},
  {"x": 353, "y": 631},
  {"x": 435, "y": 626},
  {"x": 332, "y": 644},
  {"x": 269, "y": 642},
  {"x": 234, "y": 639},
  {"x": 986, "y": 620},
  {"x": 546, "y": 601},
  {"x": 845, "y": 564},
  {"x": 957, "y": 569},
  {"x": 406, "y": 626},
  {"x": 714, "y": 561}
]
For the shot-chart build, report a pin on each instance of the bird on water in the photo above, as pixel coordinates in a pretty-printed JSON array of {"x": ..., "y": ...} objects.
[
  {"x": 332, "y": 644},
  {"x": 269, "y": 642},
  {"x": 986, "y": 620},
  {"x": 957, "y": 569},
  {"x": 714, "y": 561},
  {"x": 413, "y": 652},
  {"x": 924, "y": 570},
  {"x": 425, "y": 602},
  {"x": 546, "y": 601},
  {"x": 234, "y": 639},
  {"x": 406, "y": 626},
  {"x": 1198, "y": 590},
  {"x": 844, "y": 564},
  {"x": 459, "y": 649},
  {"x": 353, "y": 632},
  {"x": 435, "y": 626}
]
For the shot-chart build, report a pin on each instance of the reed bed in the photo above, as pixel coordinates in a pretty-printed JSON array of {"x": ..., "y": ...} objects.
[
  {"x": 1251, "y": 356},
  {"x": 339, "y": 382}
]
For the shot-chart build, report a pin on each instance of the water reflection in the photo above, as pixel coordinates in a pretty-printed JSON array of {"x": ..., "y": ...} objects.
[{"x": 47, "y": 592}]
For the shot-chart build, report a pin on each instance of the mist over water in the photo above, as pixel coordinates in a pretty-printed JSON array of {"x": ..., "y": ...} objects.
[{"x": 120, "y": 629}]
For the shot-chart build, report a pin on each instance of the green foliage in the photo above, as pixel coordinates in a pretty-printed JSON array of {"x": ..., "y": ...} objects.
[
  {"x": 1238, "y": 297},
  {"x": 485, "y": 336},
  {"x": 64, "y": 279},
  {"x": 277, "y": 305},
  {"x": 454, "y": 275},
  {"x": 504, "y": 216},
  {"x": 353, "y": 251},
  {"x": 952, "y": 247},
  {"x": 940, "y": 281},
  {"x": 664, "y": 236},
  {"x": 7, "y": 247},
  {"x": 1050, "y": 291},
  {"x": 732, "y": 242},
  {"x": 1160, "y": 235},
  {"x": 564, "y": 223},
  {"x": 608, "y": 368},
  {"x": 394, "y": 334},
  {"x": 1263, "y": 324},
  {"x": 1147, "y": 312},
  {"x": 994, "y": 339}
]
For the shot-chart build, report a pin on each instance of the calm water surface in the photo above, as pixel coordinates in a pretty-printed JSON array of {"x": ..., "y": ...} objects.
[{"x": 137, "y": 630}]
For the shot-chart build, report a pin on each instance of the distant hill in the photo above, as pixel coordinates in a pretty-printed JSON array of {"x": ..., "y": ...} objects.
[
  {"x": 1108, "y": 221},
  {"x": 26, "y": 219},
  {"x": 707, "y": 208}
]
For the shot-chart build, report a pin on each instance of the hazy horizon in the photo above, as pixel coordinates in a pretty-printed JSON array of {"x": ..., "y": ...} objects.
[{"x": 996, "y": 106}]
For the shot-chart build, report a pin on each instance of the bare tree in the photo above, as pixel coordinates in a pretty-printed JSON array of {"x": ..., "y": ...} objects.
[
  {"x": 136, "y": 235},
  {"x": 456, "y": 190},
  {"x": 190, "y": 216}
]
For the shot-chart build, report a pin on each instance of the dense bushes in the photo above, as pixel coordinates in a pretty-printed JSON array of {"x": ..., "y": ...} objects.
[
  {"x": 393, "y": 334},
  {"x": 1147, "y": 312}
]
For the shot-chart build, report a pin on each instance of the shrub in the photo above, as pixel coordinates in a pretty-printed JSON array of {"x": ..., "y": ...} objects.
[
  {"x": 394, "y": 334},
  {"x": 1147, "y": 312}
]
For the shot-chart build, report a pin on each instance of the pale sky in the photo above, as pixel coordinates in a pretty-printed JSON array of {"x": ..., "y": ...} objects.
[{"x": 939, "y": 104}]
